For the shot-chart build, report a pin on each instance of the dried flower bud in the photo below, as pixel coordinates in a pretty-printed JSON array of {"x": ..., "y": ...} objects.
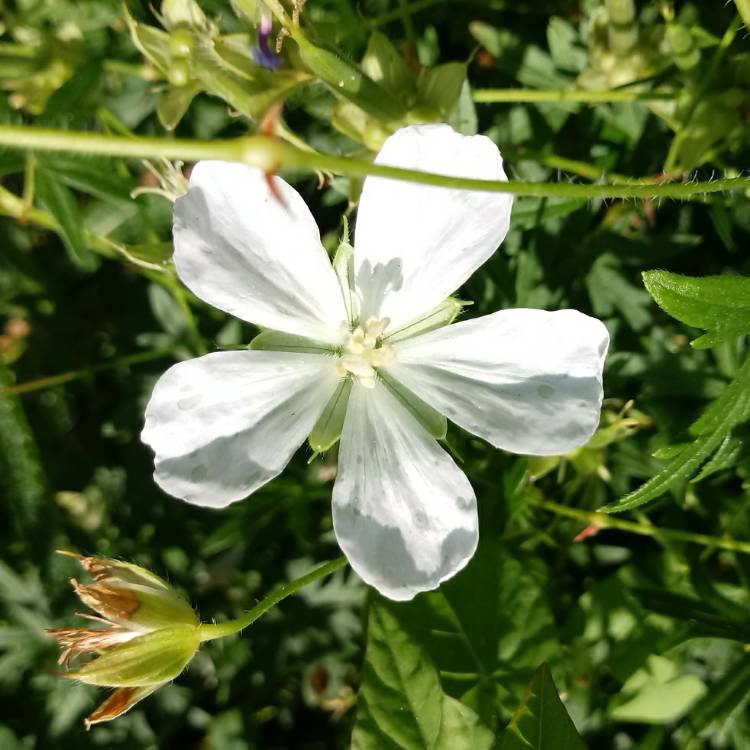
[{"x": 149, "y": 633}]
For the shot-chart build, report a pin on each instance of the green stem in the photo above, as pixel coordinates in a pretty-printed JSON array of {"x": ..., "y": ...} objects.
[
  {"x": 408, "y": 23},
  {"x": 220, "y": 630},
  {"x": 270, "y": 155},
  {"x": 604, "y": 521},
  {"x": 581, "y": 96},
  {"x": 66, "y": 377}
]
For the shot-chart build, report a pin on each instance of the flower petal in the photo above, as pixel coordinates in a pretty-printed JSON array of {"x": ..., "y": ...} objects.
[
  {"x": 225, "y": 424},
  {"x": 241, "y": 249},
  {"x": 416, "y": 244},
  {"x": 528, "y": 381},
  {"x": 404, "y": 514}
]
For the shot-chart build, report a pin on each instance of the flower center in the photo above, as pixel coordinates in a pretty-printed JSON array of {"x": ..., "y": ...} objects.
[{"x": 363, "y": 352}]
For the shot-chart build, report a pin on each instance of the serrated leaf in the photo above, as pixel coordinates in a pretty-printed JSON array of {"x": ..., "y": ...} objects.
[
  {"x": 711, "y": 429},
  {"x": 718, "y": 304},
  {"x": 56, "y": 198},
  {"x": 401, "y": 704},
  {"x": 541, "y": 721},
  {"x": 486, "y": 629}
]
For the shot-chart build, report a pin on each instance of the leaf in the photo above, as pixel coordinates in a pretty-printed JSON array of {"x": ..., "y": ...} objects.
[
  {"x": 710, "y": 430},
  {"x": 486, "y": 629},
  {"x": 718, "y": 304},
  {"x": 401, "y": 704},
  {"x": 76, "y": 99},
  {"x": 94, "y": 175},
  {"x": 541, "y": 721},
  {"x": 566, "y": 52},
  {"x": 657, "y": 693},
  {"x": 610, "y": 292},
  {"x": 61, "y": 203},
  {"x": 724, "y": 696}
]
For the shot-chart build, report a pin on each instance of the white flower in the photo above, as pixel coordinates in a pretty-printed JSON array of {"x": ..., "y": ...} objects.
[{"x": 223, "y": 425}]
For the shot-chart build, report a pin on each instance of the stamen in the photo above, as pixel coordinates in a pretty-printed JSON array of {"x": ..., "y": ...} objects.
[{"x": 363, "y": 351}]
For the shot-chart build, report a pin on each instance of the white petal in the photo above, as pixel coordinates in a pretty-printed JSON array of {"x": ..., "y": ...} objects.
[
  {"x": 404, "y": 514},
  {"x": 416, "y": 244},
  {"x": 224, "y": 424},
  {"x": 239, "y": 249},
  {"x": 528, "y": 381}
]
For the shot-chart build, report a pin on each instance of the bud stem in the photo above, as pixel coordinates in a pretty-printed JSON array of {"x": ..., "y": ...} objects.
[{"x": 220, "y": 630}]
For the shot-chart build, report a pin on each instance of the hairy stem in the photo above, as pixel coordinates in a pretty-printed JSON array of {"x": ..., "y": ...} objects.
[
  {"x": 220, "y": 630},
  {"x": 270, "y": 155}
]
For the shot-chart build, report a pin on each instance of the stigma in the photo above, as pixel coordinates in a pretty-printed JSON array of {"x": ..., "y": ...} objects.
[{"x": 363, "y": 351}]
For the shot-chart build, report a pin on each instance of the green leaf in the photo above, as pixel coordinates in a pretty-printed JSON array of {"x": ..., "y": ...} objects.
[
  {"x": 56, "y": 198},
  {"x": 611, "y": 292},
  {"x": 401, "y": 704},
  {"x": 724, "y": 696},
  {"x": 541, "y": 721},
  {"x": 718, "y": 304},
  {"x": 97, "y": 176},
  {"x": 564, "y": 46},
  {"x": 710, "y": 430},
  {"x": 486, "y": 629},
  {"x": 657, "y": 693}
]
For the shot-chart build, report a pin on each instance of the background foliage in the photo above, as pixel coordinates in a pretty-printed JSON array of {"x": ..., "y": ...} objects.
[{"x": 641, "y": 620}]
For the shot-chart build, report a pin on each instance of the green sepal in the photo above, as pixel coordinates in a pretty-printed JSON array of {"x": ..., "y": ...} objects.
[
  {"x": 162, "y": 608},
  {"x": 385, "y": 65},
  {"x": 278, "y": 341},
  {"x": 149, "y": 659},
  {"x": 348, "y": 81},
  {"x": 327, "y": 430},
  {"x": 440, "y": 87},
  {"x": 173, "y": 106},
  {"x": 343, "y": 265},
  {"x": 151, "y": 42},
  {"x": 442, "y": 315},
  {"x": 433, "y": 421}
]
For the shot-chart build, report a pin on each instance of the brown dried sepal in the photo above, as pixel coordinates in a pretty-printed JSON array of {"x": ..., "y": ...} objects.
[
  {"x": 122, "y": 700},
  {"x": 111, "y": 602}
]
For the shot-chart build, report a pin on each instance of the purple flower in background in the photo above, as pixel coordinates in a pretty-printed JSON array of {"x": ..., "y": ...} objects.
[{"x": 263, "y": 54}]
